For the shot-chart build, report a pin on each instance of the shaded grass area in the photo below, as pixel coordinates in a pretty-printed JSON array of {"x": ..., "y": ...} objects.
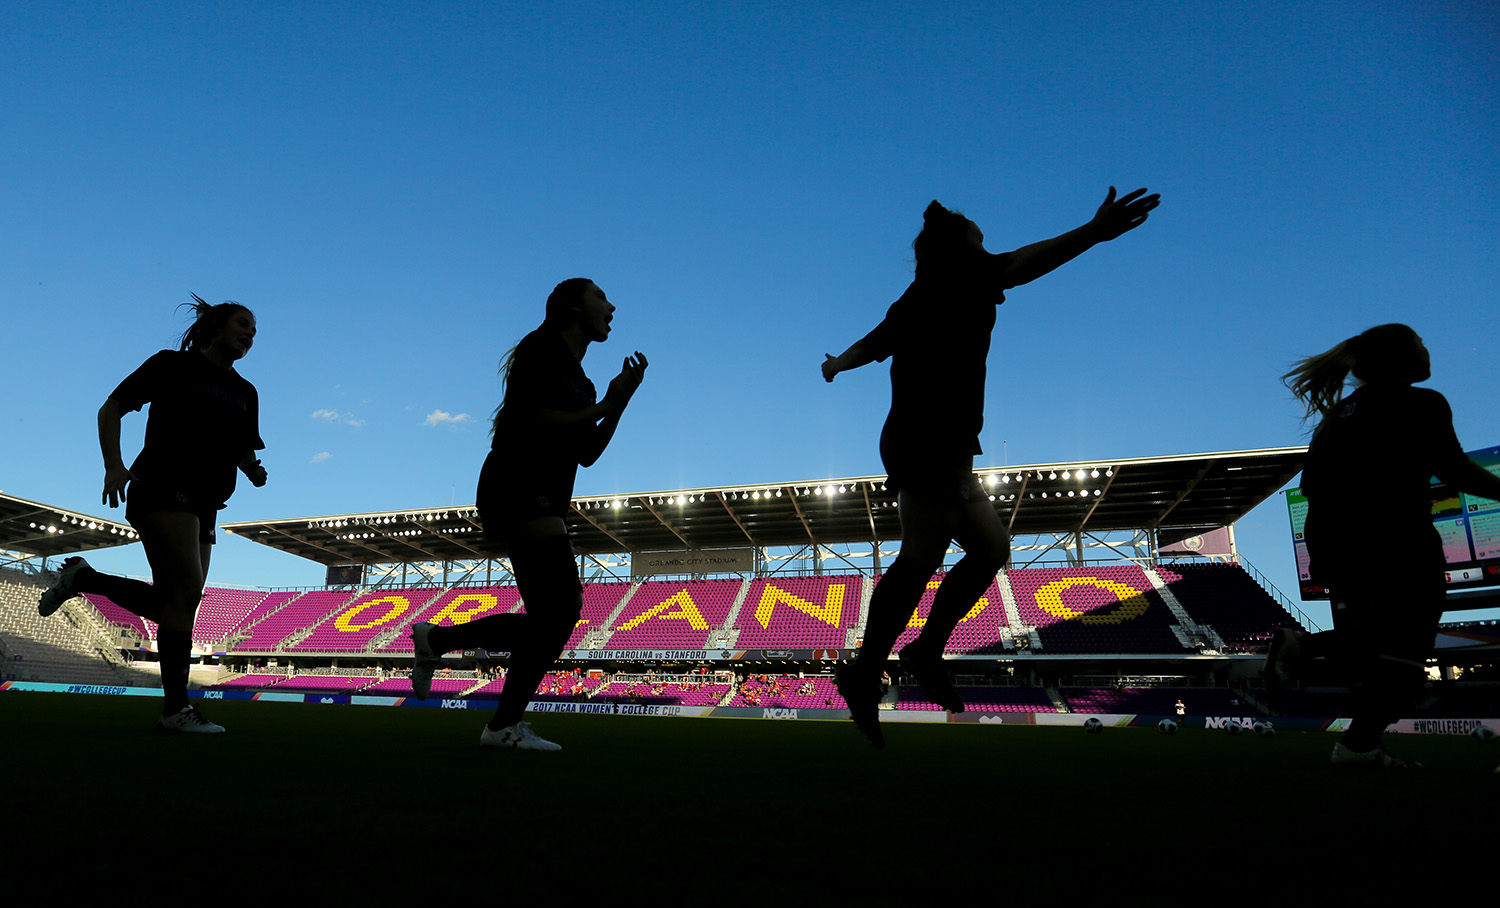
[{"x": 384, "y": 805}]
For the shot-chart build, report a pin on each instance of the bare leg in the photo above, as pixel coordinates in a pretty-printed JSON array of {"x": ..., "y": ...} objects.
[
  {"x": 548, "y": 579},
  {"x": 927, "y": 527},
  {"x": 179, "y": 567},
  {"x": 986, "y": 548}
]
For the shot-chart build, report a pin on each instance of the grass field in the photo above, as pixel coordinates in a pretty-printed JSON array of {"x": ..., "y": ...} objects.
[{"x": 371, "y": 806}]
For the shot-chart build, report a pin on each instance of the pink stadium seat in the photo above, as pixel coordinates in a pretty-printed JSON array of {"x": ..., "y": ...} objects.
[
  {"x": 799, "y": 612},
  {"x": 678, "y": 614}
]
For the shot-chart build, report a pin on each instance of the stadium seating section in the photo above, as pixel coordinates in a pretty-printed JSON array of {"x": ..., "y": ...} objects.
[{"x": 1064, "y": 611}]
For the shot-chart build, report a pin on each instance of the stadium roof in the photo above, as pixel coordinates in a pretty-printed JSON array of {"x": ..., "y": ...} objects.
[
  {"x": 33, "y": 528},
  {"x": 1185, "y": 493}
]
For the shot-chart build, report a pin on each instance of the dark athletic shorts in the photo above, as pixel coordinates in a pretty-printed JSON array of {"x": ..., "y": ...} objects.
[
  {"x": 142, "y": 499},
  {"x": 505, "y": 500},
  {"x": 941, "y": 476},
  {"x": 1386, "y": 614}
]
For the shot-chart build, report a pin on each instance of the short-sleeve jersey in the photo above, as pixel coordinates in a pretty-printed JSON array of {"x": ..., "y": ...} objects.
[
  {"x": 544, "y": 375},
  {"x": 1367, "y": 482},
  {"x": 938, "y": 335},
  {"x": 203, "y": 420}
]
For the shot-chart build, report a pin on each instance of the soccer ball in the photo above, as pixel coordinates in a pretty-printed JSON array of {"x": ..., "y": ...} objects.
[
  {"x": 1092, "y": 725},
  {"x": 1167, "y": 727},
  {"x": 1483, "y": 733},
  {"x": 1264, "y": 729},
  {"x": 1234, "y": 728}
]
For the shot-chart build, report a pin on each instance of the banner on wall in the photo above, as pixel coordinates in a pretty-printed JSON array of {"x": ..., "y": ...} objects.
[{"x": 693, "y": 561}]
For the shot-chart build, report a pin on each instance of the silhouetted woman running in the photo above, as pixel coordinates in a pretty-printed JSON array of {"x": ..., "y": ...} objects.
[
  {"x": 204, "y": 423},
  {"x": 548, "y": 425},
  {"x": 938, "y": 334},
  {"x": 1370, "y": 537}
]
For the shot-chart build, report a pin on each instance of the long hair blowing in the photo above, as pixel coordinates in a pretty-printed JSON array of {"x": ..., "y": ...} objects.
[
  {"x": 208, "y": 320},
  {"x": 1382, "y": 352},
  {"x": 562, "y": 307}
]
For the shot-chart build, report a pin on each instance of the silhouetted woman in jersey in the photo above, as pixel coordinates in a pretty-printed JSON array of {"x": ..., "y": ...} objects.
[
  {"x": 549, "y": 424},
  {"x": 203, "y": 424},
  {"x": 1370, "y": 537},
  {"x": 938, "y": 334}
]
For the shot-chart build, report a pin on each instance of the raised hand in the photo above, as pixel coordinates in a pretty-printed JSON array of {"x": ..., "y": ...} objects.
[
  {"x": 1115, "y": 217},
  {"x": 255, "y": 473},
  {"x": 115, "y": 479},
  {"x": 623, "y": 386},
  {"x": 830, "y": 366}
]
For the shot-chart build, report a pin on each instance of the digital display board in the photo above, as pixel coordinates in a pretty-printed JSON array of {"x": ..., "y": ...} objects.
[{"x": 1469, "y": 527}]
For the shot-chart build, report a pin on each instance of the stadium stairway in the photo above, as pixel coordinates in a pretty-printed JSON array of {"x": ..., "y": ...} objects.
[
  {"x": 1186, "y": 627},
  {"x": 728, "y": 629},
  {"x": 607, "y": 626}
]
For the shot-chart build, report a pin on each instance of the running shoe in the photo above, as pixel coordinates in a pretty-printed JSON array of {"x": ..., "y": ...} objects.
[
  {"x": 932, "y": 675},
  {"x": 516, "y": 737},
  {"x": 188, "y": 721},
  {"x": 62, "y": 588},
  {"x": 861, "y": 694},
  {"x": 1343, "y": 756},
  {"x": 424, "y": 661}
]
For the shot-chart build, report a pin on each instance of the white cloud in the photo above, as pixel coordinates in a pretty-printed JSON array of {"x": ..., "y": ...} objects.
[
  {"x": 320, "y": 457},
  {"x": 335, "y": 416},
  {"x": 438, "y": 417}
]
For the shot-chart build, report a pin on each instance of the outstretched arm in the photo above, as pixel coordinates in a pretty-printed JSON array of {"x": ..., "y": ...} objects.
[
  {"x": 854, "y": 357},
  {"x": 1114, "y": 217},
  {"x": 1468, "y": 476}
]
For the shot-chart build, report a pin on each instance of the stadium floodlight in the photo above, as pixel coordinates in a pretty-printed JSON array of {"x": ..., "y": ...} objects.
[
  {"x": 1067, "y": 475},
  {"x": 1094, "y": 473},
  {"x": 1052, "y": 475}
]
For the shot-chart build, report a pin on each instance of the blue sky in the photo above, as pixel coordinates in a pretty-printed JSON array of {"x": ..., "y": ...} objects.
[{"x": 393, "y": 188}]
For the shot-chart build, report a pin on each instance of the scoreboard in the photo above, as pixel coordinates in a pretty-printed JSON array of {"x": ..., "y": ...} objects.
[{"x": 1469, "y": 527}]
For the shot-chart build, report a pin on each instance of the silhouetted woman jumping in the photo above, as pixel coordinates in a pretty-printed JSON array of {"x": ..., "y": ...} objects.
[
  {"x": 938, "y": 334},
  {"x": 204, "y": 423},
  {"x": 1370, "y": 537},
  {"x": 548, "y": 425}
]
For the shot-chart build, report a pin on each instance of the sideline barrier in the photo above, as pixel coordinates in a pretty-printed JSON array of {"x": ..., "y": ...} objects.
[{"x": 908, "y": 716}]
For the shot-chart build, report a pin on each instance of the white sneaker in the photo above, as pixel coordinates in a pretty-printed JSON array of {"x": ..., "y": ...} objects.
[
  {"x": 516, "y": 737},
  {"x": 61, "y": 589},
  {"x": 188, "y": 720},
  {"x": 424, "y": 661},
  {"x": 1343, "y": 756}
]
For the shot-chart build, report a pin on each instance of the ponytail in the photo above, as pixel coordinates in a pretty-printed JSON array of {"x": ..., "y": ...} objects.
[
  {"x": 1318, "y": 381},
  {"x": 1384, "y": 353},
  {"x": 208, "y": 320}
]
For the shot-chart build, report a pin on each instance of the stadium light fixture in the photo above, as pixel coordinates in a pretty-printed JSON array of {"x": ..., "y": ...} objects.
[{"x": 1094, "y": 473}]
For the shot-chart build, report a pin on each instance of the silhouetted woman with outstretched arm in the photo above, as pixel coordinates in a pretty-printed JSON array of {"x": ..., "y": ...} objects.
[
  {"x": 1370, "y": 537},
  {"x": 938, "y": 336},
  {"x": 203, "y": 425},
  {"x": 549, "y": 424}
]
